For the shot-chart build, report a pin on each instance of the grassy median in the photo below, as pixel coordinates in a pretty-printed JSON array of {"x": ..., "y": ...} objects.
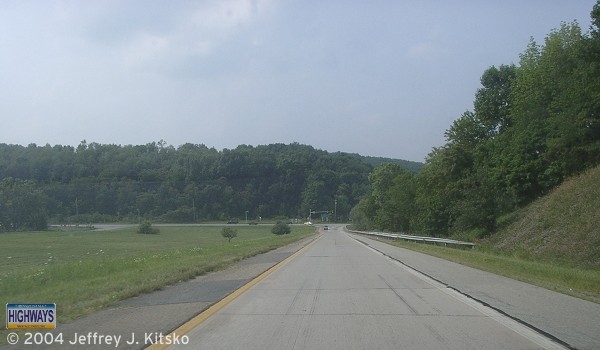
[{"x": 86, "y": 271}]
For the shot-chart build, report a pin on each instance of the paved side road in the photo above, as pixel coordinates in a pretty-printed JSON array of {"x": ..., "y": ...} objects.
[{"x": 572, "y": 321}]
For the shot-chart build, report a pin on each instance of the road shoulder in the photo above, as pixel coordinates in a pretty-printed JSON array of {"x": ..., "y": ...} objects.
[{"x": 574, "y": 322}]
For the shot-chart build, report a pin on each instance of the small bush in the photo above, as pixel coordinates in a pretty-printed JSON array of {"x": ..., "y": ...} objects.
[
  {"x": 147, "y": 229},
  {"x": 229, "y": 233},
  {"x": 281, "y": 228}
]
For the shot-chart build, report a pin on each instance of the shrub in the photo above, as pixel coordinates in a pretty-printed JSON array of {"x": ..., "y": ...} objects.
[
  {"x": 281, "y": 228},
  {"x": 146, "y": 228},
  {"x": 229, "y": 233}
]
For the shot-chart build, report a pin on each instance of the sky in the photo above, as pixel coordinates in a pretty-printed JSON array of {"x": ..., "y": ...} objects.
[{"x": 379, "y": 78}]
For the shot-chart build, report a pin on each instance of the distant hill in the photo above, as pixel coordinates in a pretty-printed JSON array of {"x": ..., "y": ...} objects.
[
  {"x": 563, "y": 225},
  {"x": 191, "y": 183},
  {"x": 411, "y": 166}
]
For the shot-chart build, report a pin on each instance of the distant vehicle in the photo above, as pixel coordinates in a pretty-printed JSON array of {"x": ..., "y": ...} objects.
[
  {"x": 326, "y": 228},
  {"x": 308, "y": 223},
  {"x": 232, "y": 221},
  {"x": 253, "y": 223}
]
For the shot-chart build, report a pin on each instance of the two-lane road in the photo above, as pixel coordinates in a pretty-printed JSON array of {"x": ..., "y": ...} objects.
[{"x": 340, "y": 294}]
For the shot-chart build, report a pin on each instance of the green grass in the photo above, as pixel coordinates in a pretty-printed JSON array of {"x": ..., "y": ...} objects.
[
  {"x": 561, "y": 226},
  {"x": 86, "y": 271},
  {"x": 578, "y": 282}
]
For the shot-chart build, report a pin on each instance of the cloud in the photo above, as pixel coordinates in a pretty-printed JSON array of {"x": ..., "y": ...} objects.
[
  {"x": 146, "y": 47},
  {"x": 222, "y": 15},
  {"x": 423, "y": 50},
  {"x": 196, "y": 40},
  {"x": 224, "y": 72}
]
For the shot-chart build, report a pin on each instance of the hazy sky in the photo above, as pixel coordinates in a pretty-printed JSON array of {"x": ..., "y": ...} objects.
[{"x": 380, "y": 78}]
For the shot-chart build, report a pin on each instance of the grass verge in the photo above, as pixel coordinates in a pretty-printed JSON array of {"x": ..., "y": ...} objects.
[
  {"x": 577, "y": 282},
  {"x": 86, "y": 271}
]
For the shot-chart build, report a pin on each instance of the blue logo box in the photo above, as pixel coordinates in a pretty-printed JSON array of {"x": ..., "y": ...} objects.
[{"x": 30, "y": 316}]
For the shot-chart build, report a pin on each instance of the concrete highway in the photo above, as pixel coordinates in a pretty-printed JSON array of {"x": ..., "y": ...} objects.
[{"x": 338, "y": 293}]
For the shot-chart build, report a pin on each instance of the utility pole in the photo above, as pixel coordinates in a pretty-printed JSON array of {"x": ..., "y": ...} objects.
[
  {"x": 76, "y": 212},
  {"x": 194, "y": 209},
  {"x": 335, "y": 210}
]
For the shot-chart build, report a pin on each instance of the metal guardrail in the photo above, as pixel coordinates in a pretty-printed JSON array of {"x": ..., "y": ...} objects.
[{"x": 433, "y": 240}]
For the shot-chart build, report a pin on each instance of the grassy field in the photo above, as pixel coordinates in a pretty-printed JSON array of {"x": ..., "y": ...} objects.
[
  {"x": 578, "y": 282},
  {"x": 86, "y": 271}
]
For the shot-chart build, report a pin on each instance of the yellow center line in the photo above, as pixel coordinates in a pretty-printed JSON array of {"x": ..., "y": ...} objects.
[{"x": 204, "y": 315}]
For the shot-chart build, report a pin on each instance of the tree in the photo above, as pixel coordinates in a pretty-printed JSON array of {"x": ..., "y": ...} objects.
[
  {"x": 492, "y": 101},
  {"x": 552, "y": 110},
  {"x": 22, "y": 206},
  {"x": 229, "y": 233},
  {"x": 393, "y": 195},
  {"x": 361, "y": 214},
  {"x": 467, "y": 130},
  {"x": 433, "y": 193}
]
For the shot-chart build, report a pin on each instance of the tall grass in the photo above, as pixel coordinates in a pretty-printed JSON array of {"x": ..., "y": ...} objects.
[{"x": 561, "y": 226}]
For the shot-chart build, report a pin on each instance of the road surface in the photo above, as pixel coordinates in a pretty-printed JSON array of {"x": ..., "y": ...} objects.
[{"x": 340, "y": 294}]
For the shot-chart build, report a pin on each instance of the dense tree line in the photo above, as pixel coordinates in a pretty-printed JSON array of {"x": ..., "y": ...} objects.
[
  {"x": 532, "y": 126},
  {"x": 97, "y": 182}
]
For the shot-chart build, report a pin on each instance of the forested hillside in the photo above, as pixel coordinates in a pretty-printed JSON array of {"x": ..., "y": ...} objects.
[
  {"x": 95, "y": 182},
  {"x": 411, "y": 166},
  {"x": 532, "y": 126}
]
